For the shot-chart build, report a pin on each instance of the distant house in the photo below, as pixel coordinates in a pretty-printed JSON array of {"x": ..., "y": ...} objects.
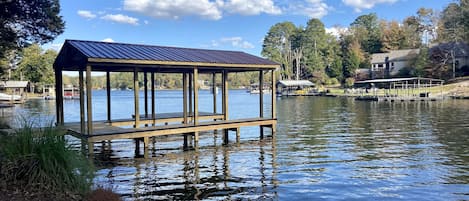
[
  {"x": 385, "y": 65},
  {"x": 15, "y": 87},
  {"x": 444, "y": 52}
]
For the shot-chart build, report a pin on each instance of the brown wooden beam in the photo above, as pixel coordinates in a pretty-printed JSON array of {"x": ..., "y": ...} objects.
[
  {"x": 136, "y": 99},
  {"x": 196, "y": 96},
  {"x": 185, "y": 86},
  {"x": 145, "y": 93},
  {"x": 190, "y": 93},
  {"x": 261, "y": 93},
  {"x": 59, "y": 101},
  {"x": 214, "y": 92},
  {"x": 274, "y": 91},
  {"x": 108, "y": 93},
  {"x": 153, "y": 106},
  {"x": 225, "y": 94},
  {"x": 89, "y": 103},
  {"x": 82, "y": 101}
]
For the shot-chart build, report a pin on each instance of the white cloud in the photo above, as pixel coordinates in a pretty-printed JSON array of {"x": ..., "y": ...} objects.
[
  {"x": 359, "y": 5},
  {"x": 119, "y": 18},
  {"x": 336, "y": 31},
  {"x": 86, "y": 14},
  {"x": 249, "y": 7},
  {"x": 53, "y": 46},
  {"x": 109, "y": 40},
  {"x": 206, "y": 9},
  {"x": 237, "y": 42},
  {"x": 176, "y": 9},
  {"x": 310, "y": 8},
  {"x": 146, "y": 22}
]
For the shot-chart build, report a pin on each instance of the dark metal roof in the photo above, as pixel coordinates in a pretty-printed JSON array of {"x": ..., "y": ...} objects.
[{"x": 78, "y": 52}]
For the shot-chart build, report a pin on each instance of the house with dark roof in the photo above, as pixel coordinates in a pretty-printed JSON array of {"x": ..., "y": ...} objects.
[{"x": 385, "y": 65}]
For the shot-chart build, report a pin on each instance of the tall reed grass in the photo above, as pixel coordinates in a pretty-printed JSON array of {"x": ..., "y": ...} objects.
[{"x": 42, "y": 157}]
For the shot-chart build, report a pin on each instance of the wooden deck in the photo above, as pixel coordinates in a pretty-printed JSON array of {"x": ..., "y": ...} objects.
[{"x": 104, "y": 131}]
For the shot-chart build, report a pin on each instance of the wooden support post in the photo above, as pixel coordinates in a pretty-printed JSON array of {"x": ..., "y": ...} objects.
[
  {"x": 196, "y": 138},
  {"x": 137, "y": 146},
  {"x": 226, "y": 136},
  {"x": 225, "y": 95},
  {"x": 82, "y": 102},
  {"x": 190, "y": 94},
  {"x": 153, "y": 106},
  {"x": 185, "y": 144},
  {"x": 59, "y": 101},
  {"x": 89, "y": 104},
  {"x": 214, "y": 92},
  {"x": 261, "y": 94},
  {"x": 136, "y": 99},
  {"x": 145, "y": 93},
  {"x": 261, "y": 132},
  {"x": 196, "y": 96},
  {"x": 274, "y": 103},
  {"x": 146, "y": 145},
  {"x": 108, "y": 93},
  {"x": 185, "y": 87},
  {"x": 90, "y": 148},
  {"x": 238, "y": 135}
]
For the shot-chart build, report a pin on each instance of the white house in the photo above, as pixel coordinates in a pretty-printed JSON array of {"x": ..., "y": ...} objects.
[{"x": 385, "y": 65}]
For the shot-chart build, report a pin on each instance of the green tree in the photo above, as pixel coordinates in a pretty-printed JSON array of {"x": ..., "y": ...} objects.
[
  {"x": 277, "y": 47},
  {"x": 353, "y": 55},
  {"x": 23, "y": 22},
  {"x": 366, "y": 30},
  {"x": 421, "y": 63},
  {"x": 451, "y": 25},
  {"x": 314, "y": 41},
  {"x": 36, "y": 66}
]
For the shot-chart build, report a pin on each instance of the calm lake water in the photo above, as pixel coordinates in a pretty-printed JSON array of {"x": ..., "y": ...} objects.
[{"x": 324, "y": 149}]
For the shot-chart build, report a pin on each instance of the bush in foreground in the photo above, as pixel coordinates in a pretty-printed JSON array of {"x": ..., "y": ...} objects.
[{"x": 39, "y": 161}]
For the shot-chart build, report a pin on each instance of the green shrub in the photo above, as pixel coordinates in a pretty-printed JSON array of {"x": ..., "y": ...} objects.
[{"x": 42, "y": 157}]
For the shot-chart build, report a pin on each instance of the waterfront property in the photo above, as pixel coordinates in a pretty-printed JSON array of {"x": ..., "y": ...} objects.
[
  {"x": 295, "y": 88},
  {"x": 91, "y": 56},
  {"x": 399, "y": 89},
  {"x": 14, "y": 91},
  {"x": 385, "y": 65}
]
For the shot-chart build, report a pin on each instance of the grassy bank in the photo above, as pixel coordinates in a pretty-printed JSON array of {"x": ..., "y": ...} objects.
[{"x": 39, "y": 164}]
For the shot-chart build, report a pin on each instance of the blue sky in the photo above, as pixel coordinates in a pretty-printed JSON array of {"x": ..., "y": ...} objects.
[{"x": 214, "y": 24}]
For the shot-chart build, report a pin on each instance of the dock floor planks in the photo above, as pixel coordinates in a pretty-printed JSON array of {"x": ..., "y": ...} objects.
[{"x": 103, "y": 130}]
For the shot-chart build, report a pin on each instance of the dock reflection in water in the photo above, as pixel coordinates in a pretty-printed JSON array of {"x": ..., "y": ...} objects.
[{"x": 240, "y": 170}]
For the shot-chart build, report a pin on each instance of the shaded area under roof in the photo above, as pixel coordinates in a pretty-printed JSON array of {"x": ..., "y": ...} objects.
[
  {"x": 295, "y": 83},
  {"x": 76, "y": 54}
]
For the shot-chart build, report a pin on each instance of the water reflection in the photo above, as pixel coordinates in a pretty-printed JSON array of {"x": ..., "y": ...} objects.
[{"x": 324, "y": 149}]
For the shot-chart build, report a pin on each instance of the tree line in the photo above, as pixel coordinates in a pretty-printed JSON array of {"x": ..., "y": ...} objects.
[{"x": 309, "y": 52}]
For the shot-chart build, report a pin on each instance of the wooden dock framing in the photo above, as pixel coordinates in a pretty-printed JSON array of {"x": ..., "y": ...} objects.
[{"x": 88, "y": 56}]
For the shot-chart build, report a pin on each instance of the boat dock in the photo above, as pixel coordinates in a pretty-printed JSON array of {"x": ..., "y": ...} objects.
[
  {"x": 90, "y": 56},
  {"x": 399, "y": 89}
]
